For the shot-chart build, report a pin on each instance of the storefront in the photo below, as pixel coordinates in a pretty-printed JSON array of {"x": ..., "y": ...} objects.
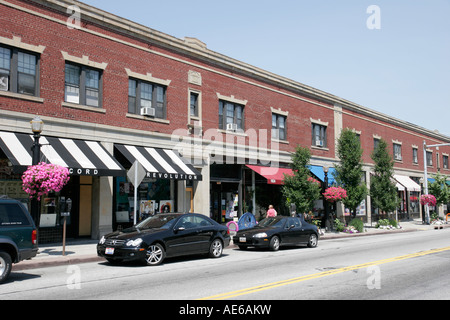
[
  {"x": 168, "y": 185},
  {"x": 87, "y": 162}
]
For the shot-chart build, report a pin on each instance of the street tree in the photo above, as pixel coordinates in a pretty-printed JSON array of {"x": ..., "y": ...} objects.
[
  {"x": 299, "y": 188},
  {"x": 383, "y": 190},
  {"x": 440, "y": 189},
  {"x": 349, "y": 174}
]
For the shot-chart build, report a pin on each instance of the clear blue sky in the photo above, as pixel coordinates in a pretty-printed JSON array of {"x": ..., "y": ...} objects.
[{"x": 401, "y": 69}]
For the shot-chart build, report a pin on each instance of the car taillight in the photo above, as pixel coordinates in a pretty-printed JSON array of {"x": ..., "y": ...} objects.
[{"x": 34, "y": 236}]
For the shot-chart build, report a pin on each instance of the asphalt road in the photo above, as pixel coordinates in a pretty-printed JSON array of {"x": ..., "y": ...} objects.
[{"x": 399, "y": 266}]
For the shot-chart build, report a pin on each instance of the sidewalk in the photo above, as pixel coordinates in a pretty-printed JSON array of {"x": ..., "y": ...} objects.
[{"x": 82, "y": 251}]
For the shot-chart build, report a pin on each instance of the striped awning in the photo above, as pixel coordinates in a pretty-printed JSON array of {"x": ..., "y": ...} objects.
[
  {"x": 160, "y": 163},
  {"x": 86, "y": 158}
]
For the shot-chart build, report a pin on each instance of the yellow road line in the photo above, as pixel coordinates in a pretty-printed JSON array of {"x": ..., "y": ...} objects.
[{"x": 272, "y": 285}]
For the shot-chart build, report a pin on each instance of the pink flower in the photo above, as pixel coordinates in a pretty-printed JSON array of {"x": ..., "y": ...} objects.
[
  {"x": 43, "y": 178},
  {"x": 335, "y": 194},
  {"x": 428, "y": 199}
]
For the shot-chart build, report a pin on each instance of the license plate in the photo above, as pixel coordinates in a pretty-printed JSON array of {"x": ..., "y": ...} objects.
[
  {"x": 109, "y": 251},
  {"x": 242, "y": 239}
]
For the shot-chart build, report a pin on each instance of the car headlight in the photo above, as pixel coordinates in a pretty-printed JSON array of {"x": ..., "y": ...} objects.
[
  {"x": 102, "y": 240},
  {"x": 134, "y": 243},
  {"x": 260, "y": 235}
]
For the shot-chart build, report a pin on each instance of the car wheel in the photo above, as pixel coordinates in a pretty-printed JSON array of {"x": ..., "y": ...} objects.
[
  {"x": 274, "y": 244},
  {"x": 312, "y": 243},
  {"x": 155, "y": 255},
  {"x": 216, "y": 248},
  {"x": 5, "y": 265}
]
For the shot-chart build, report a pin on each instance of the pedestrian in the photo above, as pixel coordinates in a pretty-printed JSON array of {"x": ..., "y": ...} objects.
[{"x": 271, "y": 212}]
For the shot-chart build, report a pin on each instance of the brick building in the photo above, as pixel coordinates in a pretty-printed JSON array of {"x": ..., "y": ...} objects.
[{"x": 119, "y": 91}]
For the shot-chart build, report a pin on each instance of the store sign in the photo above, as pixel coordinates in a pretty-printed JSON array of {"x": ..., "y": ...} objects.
[
  {"x": 84, "y": 172},
  {"x": 171, "y": 176}
]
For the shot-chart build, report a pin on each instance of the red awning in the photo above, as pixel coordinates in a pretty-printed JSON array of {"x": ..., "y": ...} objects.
[{"x": 273, "y": 175}]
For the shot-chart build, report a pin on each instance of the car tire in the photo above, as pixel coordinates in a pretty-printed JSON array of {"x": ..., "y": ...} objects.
[
  {"x": 274, "y": 244},
  {"x": 216, "y": 248},
  {"x": 5, "y": 265},
  {"x": 155, "y": 254},
  {"x": 312, "y": 242}
]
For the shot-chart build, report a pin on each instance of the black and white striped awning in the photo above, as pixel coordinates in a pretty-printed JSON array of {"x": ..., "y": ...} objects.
[
  {"x": 81, "y": 157},
  {"x": 160, "y": 163}
]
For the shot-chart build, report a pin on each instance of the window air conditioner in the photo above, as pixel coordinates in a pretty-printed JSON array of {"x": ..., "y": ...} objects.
[
  {"x": 231, "y": 126},
  {"x": 319, "y": 143},
  {"x": 4, "y": 82},
  {"x": 148, "y": 111}
]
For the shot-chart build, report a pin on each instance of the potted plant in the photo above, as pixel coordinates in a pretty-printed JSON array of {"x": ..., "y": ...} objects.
[
  {"x": 43, "y": 178},
  {"x": 334, "y": 194}
]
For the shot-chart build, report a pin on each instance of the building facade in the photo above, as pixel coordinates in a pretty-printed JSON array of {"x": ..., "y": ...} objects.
[{"x": 209, "y": 131}]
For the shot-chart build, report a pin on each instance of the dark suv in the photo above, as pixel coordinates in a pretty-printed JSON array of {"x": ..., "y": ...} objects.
[{"x": 18, "y": 235}]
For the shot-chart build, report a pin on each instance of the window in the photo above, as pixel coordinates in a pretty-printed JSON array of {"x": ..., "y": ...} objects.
[
  {"x": 397, "y": 152},
  {"x": 193, "y": 106},
  {"x": 445, "y": 161},
  {"x": 82, "y": 85},
  {"x": 19, "y": 71},
  {"x": 429, "y": 158},
  {"x": 231, "y": 116},
  {"x": 319, "y": 135},
  {"x": 376, "y": 142},
  {"x": 145, "y": 98},
  {"x": 415, "y": 158},
  {"x": 278, "y": 127}
]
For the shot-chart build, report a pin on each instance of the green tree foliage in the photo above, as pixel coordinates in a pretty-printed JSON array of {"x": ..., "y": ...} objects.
[
  {"x": 297, "y": 188},
  {"x": 440, "y": 189},
  {"x": 349, "y": 172},
  {"x": 383, "y": 191}
]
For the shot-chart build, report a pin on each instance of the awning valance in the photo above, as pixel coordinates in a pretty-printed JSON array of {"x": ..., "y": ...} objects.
[
  {"x": 272, "y": 174},
  {"x": 408, "y": 183},
  {"x": 160, "y": 163},
  {"x": 81, "y": 157}
]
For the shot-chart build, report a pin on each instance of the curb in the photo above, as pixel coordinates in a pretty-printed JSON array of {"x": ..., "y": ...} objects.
[{"x": 68, "y": 260}]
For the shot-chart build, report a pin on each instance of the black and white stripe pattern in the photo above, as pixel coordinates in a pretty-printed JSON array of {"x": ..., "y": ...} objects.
[
  {"x": 160, "y": 163},
  {"x": 80, "y": 157}
]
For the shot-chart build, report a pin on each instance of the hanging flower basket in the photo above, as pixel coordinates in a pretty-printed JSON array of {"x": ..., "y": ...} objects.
[
  {"x": 333, "y": 194},
  {"x": 428, "y": 199},
  {"x": 43, "y": 178}
]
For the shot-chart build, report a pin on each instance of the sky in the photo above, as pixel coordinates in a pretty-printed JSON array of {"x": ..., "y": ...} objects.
[{"x": 392, "y": 56}]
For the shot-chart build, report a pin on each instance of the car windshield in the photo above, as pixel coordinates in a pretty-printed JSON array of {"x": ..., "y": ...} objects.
[
  {"x": 159, "y": 221},
  {"x": 275, "y": 222}
]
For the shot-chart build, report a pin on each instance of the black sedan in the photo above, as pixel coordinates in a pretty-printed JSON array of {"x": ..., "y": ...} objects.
[
  {"x": 278, "y": 231},
  {"x": 165, "y": 235}
]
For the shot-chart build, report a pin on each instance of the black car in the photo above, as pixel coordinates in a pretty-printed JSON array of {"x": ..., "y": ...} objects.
[
  {"x": 18, "y": 235},
  {"x": 165, "y": 235},
  {"x": 277, "y": 231}
]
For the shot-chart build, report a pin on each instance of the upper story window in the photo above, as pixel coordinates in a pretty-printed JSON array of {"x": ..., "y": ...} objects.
[
  {"x": 194, "y": 104},
  {"x": 319, "y": 135},
  {"x": 19, "y": 71},
  {"x": 397, "y": 151},
  {"x": 279, "y": 127},
  {"x": 82, "y": 85},
  {"x": 445, "y": 161},
  {"x": 231, "y": 116},
  {"x": 415, "y": 157},
  {"x": 376, "y": 142},
  {"x": 429, "y": 158},
  {"x": 146, "y": 99}
]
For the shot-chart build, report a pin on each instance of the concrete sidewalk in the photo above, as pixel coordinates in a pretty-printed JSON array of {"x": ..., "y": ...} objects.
[{"x": 81, "y": 251}]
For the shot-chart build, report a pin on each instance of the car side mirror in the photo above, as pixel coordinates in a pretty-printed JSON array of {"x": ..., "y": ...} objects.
[{"x": 179, "y": 229}]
